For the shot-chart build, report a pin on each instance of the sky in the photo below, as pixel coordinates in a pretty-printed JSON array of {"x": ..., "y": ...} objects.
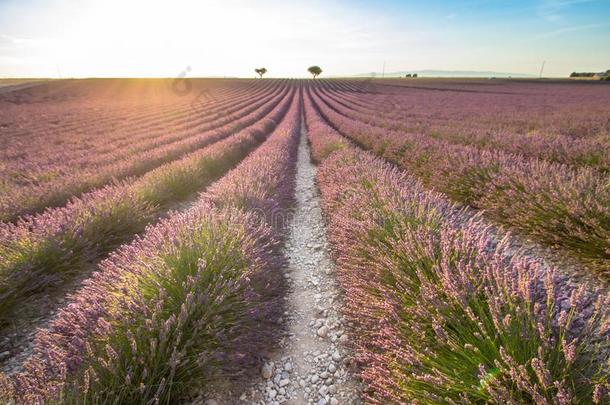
[{"x": 192, "y": 38}]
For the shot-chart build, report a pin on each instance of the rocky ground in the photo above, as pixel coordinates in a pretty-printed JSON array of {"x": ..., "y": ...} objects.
[{"x": 313, "y": 365}]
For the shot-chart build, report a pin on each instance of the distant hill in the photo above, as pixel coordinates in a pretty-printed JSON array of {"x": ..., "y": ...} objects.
[{"x": 446, "y": 73}]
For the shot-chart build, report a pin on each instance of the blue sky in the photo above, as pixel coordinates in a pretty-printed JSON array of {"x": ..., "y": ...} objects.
[{"x": 69, "y": 38}]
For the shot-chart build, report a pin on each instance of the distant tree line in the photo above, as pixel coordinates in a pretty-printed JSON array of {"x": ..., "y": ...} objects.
[
  {"x": 582, "y": 74},
  {"x": 601, "y": 75},
  {"x": 411, "y": 75}
]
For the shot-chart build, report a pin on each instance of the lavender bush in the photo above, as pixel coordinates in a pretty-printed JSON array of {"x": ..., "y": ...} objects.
[
  {"x": 125, "y": 129},
  {"x": 558, "y": 205},
  {"x": 326, "y": 139},
  {"x": 35, "y": 197},
  {"x": 444, "y": 312},
  {"x": 188, "y": 302},
  {"x": 41, "y": 252},
  {"x": 564, "y": 124}
]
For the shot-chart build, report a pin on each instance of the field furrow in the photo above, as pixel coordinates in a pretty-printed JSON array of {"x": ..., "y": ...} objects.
[
  {"x": 125, "y": 127},
  {"x": 445, "y": 310},
  {"x": 388, "y": 111},
  {"x": 44, "y": 252},
  {"x": 115, "y": 110},
  {"x": 559, "y": 206},
  {"x": 201, "y": 285},
  {"x": 34, "y": 199}
]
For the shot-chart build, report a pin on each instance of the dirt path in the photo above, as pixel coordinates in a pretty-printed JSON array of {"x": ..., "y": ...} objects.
[{"x": 312, "y": 366}]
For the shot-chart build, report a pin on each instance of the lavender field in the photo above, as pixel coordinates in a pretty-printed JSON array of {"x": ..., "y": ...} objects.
[{"x": 327, "y": 241}]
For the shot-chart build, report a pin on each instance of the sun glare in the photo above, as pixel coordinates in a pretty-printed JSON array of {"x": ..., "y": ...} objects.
[{"x": 152, "y": 39}]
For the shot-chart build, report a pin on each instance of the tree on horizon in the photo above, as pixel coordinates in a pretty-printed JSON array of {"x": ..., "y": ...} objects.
[
  {"x": 261, "y": 71},
  {"x": 315, "y": 71}
]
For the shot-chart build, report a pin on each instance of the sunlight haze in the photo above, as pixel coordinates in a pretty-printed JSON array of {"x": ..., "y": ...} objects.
[{"x": 62, "y": 38}]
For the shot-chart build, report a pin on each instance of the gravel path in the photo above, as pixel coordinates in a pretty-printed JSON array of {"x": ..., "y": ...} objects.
[{"x": 312, "y": 365}]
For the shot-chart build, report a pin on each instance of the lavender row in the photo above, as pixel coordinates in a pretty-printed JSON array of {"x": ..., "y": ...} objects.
[
  {"x": 497, "y": 132},
  {"x": 35, "y": 159},
  {"x": 34, "y": 199},
  {"x": 397, "y": 113},
  {"x": 192, "y": 124},
  {"x": 574, "y": 110},
  {"x": 89, "y": 168},
  {"x": 29, "y": 169},
  {"x": 555, "y": 204},
  {"x": 42, "y": 252},
  {"x": 191, "y": 301},
  {"x": 444, "y": 312},
  {"x": 323, "y": 139},
  {"x": 189, "y": 121},
  {"x": 76, "y": 114},
  {"x": 264, "y": 182}
]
